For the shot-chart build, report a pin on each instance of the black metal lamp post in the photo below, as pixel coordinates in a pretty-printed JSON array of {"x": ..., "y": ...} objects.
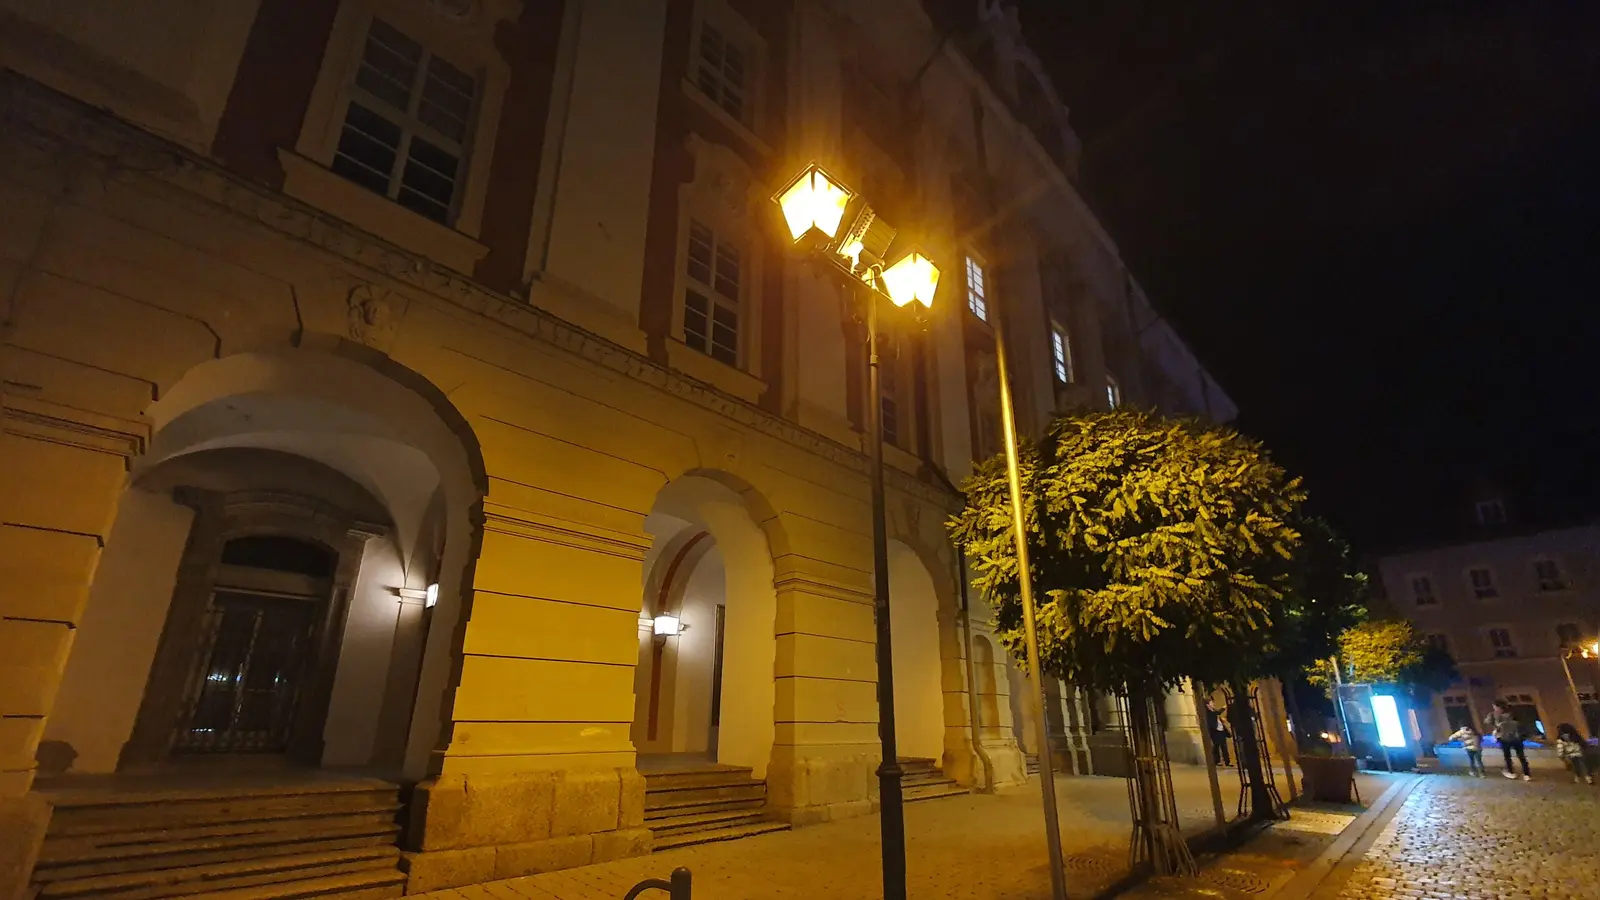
[{"x": 814, "y": 206}]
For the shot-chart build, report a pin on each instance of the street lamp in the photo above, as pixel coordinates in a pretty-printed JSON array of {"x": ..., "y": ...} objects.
[
  {"x": 817, "y": 209},
  {"x": 814, "y": 205},
  {"x": 1590, "y": 650}
]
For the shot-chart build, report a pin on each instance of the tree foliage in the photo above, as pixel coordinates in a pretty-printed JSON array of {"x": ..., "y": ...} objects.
[
  {"x": 1161, "y": 549},
  {"x": 1387, "y": 651},
  {"x": 1326, "y": 594}
]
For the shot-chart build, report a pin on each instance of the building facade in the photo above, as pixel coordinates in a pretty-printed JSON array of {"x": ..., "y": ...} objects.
[
  {"x": 1508, "y": 607},
  {"x": 422, "y": 389}
]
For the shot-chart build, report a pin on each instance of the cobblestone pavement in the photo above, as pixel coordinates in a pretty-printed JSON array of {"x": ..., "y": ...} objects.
[
  {"x": 1459, "y": 838},
  {"x": 975, "y": 847}
]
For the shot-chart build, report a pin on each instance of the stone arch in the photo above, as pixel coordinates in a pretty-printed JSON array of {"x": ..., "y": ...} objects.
[
  {"x": 380, "y": 425},
  {"x": 918, "y": 653},
  {"x": 731, "y": 568}
]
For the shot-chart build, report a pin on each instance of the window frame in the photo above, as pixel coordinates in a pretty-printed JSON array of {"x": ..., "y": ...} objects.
[
  {"x": 1495, "y": 649},
  {"x": 1489, "y": 590},
  {"x": 1481, "y": 507},
  {"x": 977, "y": 302},
  {"x": 1061, "y": 361},
  {"x": 734, "y": 28},
  {"x": 1416, "y": 596},
  {"x": 711, "y": 290},
  {"x": 1438, "y": 640},
  {"x": 1114, "y": 397},
  {"x": 1577, "y": 634},
  {"x": 1555, "y": 585}
]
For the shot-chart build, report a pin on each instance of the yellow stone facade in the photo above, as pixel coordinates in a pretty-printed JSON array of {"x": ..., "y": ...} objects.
[{"x": 191, "y": 356}]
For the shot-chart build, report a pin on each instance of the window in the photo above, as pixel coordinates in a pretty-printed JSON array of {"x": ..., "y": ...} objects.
[
  {"x": 1061, "y": 352},
  {"x": 1439, "y": 642},
  {"x": 1482, "y": 584},
  {"x": 1113, "y": 393},
  {"x": 721, "y": 71},
  {"x": 1500, "y": 642},
  {"x": 1548, "y": 573},
  {"x": 1458, "y": 711},
  {"x": 711, "y": 302},
  {"x": 1422, "y": 590},
  {"x": 1525, "y": 709},
  {"x": 405, "y": 128},
  {"x": 888, "y": 402},
  {"x": 1491, "y": 512},
  {"x": 977, "y": 299},
  {"x": 1568, "y": 634}
]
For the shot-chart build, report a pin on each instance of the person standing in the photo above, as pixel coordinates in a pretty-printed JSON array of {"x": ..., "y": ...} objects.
[
  {"x": 1218, "y": 729},
  {"x": 1507, "y": 732},
  {"x": 1472, "y": 742}
]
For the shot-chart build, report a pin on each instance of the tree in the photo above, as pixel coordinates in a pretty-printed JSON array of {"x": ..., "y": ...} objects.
[
  {"x": 1161, "y": 551},
  {"x": 1387, "y": 652}
]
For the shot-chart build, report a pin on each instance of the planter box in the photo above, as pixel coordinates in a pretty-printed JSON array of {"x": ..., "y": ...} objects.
[{"x": 1328, "y": 779}]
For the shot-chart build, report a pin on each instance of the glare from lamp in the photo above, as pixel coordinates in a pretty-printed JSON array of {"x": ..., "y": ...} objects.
[
  {"x": 668, "y": 626},
  {"x": 814, "y": 201},
  {"x": 432, "y": 598},
  {"x": 914, "y": 277}
]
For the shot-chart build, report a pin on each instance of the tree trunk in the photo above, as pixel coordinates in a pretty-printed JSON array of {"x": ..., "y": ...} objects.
[
  {"x": 1157, "y": 839},
  {"x": 1241, "y": 715}
]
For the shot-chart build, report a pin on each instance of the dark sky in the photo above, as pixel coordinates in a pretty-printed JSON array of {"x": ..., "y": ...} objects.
[{"x": 1378, "y": 223}]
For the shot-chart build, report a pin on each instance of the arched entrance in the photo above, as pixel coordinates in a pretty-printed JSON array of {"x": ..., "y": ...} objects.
[
  {"x": 918, "y": 668},
  {"x": 283, "y": 576},
  {"x": 704, "y": 685}
]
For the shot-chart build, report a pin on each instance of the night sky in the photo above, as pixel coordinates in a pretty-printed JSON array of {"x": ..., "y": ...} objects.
[{"x": 1375, "y": 222}]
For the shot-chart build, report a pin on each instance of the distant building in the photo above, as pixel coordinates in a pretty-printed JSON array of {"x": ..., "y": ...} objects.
[{"x": 1507, "y": 606}]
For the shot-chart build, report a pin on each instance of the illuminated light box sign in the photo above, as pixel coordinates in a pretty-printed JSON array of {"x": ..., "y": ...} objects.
[{"x": 1387, "y": 714}]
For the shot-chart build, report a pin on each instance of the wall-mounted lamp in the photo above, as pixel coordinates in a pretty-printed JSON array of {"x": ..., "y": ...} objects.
[
  {"x": 668, "y": 626},
  {"x": 431, "y": 599}
]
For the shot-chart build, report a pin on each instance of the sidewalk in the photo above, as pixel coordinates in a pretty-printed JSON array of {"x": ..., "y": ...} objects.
[{"x": 974, "y": 847}]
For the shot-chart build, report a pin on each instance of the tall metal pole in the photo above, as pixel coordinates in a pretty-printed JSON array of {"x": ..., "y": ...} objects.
[
  {"x": 1577, "y": 702},
  {"x": 891, "y": 816},
  {"x": 1047, "y": 779}
]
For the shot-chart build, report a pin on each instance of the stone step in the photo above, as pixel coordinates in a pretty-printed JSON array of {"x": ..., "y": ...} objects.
[
  {"x": 59, "y": 850},
  {"x": 190, "y": 857},
  {"x": 75, "y": 798},
  {"x": 700, "y": 777},
  {"x": 66, "y": 826},
  {"x": 692, "y": 809},
  {"x": 101, "y": 818},
  {"x": 909, "y": 764},
  {"x": 666, "y": 798},
  {"x": 711, "y": 836},
  {"x": 254, "y": 871},
  {"x": 921, "y": 778},
  {"x": 704, "y": 821},
  {"x": 374, "y": 885},
  {"x": 934, "y": 792}
]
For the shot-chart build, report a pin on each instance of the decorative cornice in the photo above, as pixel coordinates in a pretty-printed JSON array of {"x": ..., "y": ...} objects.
[
  {"x": 50, "y": 118},
  {"x": 72, "y": 432},
  {"x": 581, "y": 536}
]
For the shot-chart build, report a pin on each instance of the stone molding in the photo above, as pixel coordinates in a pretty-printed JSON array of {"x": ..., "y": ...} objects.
[
  {"x": 569, "y": 534},
  {"x": 54, "y": 123},
  {"x": 36, "y": 420}
]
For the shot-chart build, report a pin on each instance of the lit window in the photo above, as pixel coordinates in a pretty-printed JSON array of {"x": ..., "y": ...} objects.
[
  {"x": 721, "y": 71},
  {"x": 1422, "y": 590},
  {"x": 1500, "y": 642},
  {"x": 405, "y": 128},
  {"x": 1491, "y": 512},
  {"x": 1439, "y": 642},
  {"x": 1483, "y": 584},
  {"x": 711, "y": 301},
  {"x": 977, "y": 299},
  {"x": 1548, "y": 573},
  {"x": 1113, "y": 393},
  {"x": 1061, "y": 353},
  {"x": 1569, "y": 634}
]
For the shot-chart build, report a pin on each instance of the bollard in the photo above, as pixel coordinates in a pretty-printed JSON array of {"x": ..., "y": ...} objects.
[{"x": 677, "y": 888}]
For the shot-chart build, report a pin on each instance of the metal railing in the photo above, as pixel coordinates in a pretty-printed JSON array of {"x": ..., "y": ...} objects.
[{"x": 676, "y": 886}]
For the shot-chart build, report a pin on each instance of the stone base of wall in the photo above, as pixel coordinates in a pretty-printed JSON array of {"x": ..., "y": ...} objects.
[
  {"x": 23, "y": 821},
  {"x": 1183, "y": 746},
  {"x": 467, "y": 829},
  {"x": 1108, "y": 753},
  {"x": 1007, "y": 761},
  {"x": 825, "y": 784}
]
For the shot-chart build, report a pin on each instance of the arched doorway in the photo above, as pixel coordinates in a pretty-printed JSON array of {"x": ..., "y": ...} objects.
[
  {"x": 283, "y": 572},
  {"x": 918, "y": 668},
  {"x": 704, "y": 684}
]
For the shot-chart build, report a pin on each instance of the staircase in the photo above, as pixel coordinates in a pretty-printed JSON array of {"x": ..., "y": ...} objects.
[
  {"x": 1033, "y": 763},
  {"x": 330, "y": 838},
  {"x": 923, "y": 780},
  {"x": 705, "y": 804}
]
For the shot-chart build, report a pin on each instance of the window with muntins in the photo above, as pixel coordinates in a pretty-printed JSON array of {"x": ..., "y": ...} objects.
[
  {"x": 721, "y": 71},
  {"x": 711, "y": 302},
  {"x": 1500, "y": 642},
  {"x": 977, "y": 296},
  {"x": 1548, "y": 573},
  {"x": 406, "y": 126},
  {"x": 1483, "y": 584},
  {"x": 1491, "y": 512},
  {"x": 1569, "y": 634},
  {"x": 1061, "y": 353},
  {"x": 1113, "y": 393},
  {"x": 1422, "y": 590},
  {"x": 1439, "y": 641}
]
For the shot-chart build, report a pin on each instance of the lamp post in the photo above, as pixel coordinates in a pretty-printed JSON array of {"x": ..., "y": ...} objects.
[
  {"x": 1590, "y": 650},
  {"x": 815, "y": 207}
]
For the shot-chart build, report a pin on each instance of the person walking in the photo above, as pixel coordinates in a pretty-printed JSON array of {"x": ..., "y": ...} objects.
[
  {"x": 1507, "y": 732},
  {"x": 1219, "y": 733},
  {"x": 1472, "y": 742},
  {"x": 1569, "y": 746}
]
